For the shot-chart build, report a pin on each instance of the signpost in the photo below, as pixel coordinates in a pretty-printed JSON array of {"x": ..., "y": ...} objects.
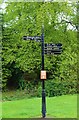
[
  {"x": 52, "y": 48},
  {"x": 47, "y": 48},
  {"x": 37, "y": 38}
]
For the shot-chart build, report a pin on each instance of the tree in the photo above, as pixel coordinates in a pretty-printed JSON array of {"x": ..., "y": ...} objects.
[{"x": 26, "y": 18}]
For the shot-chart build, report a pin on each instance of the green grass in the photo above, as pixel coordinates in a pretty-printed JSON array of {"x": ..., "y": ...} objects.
[{"x": 57, "y": 107}]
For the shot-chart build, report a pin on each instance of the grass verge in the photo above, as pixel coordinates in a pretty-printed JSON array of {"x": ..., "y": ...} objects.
[{"x": 57, "y": 107}]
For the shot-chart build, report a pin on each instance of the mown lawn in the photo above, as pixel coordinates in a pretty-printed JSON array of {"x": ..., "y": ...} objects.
[{"x": 57, "y": 107}]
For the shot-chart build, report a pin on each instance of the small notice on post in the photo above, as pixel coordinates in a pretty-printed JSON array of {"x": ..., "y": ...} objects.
[{"x": 43, "y": 75}]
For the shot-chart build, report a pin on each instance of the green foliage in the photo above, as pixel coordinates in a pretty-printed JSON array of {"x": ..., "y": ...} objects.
[
  {"x": 21, "y": 60},
  {"x": 58, "y": 88},
  {"x": 14, "y": 95}
]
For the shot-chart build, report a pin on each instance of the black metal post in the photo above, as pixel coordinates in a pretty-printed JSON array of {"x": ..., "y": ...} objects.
[{"x": 43, "y": 82}]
